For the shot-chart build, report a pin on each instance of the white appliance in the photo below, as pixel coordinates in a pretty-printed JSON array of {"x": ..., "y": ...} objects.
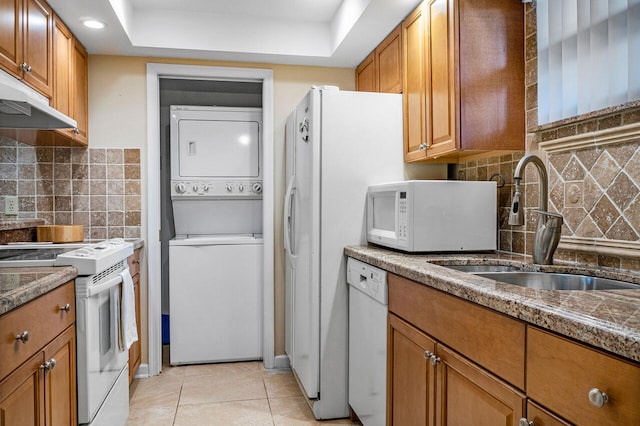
[
  {"x": 215, "y": 259},
  {"x": 102, "y": 371},
  {"x": 433, "y": 215},
  {"x": 368, "y": 308},
  {"x": 337, "y": 143}
]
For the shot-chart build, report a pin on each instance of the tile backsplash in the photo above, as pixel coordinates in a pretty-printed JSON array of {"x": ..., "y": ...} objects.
[{"x": 97, "y": 188}]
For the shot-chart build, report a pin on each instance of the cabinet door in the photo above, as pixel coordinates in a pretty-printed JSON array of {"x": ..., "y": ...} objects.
[
  {"x": 468, "y": 394},
  {"x": 410, "y": 376},
  {"x": 62, "y": 71},
  {"x": 60, "y": 381},
  {"x": 541, "y": 417},
  {"x": 38, "y": 46},
  {"x": 22, "y": 395},
  {"x": 80, "y": 99},
  {"x": 389, "y": 63},
  {"x": 366, "y": 75},
  {"x": 440, "y": 81},
  {"x": 413, "y": 50},
  {"x": 134, "y": 350},
  {"x": 11, "y": 36}
]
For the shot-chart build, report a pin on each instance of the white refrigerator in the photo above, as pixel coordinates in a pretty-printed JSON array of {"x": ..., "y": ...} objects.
[{"x": 337, "y": 143}]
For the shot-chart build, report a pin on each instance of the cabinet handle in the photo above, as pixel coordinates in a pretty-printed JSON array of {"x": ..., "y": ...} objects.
[
  {"x": 49, "y": 365},
  {"x": 598, "y": 398},
  {"x": 525, "y": 422},
  {"x": 434, "y": 359},
  {"x": 66, "y": 308},
  {"x": 24, "y": 336},
  {"x": 25, "y": 67},
  {"x": 422, "y": 146},
  {"x": 427, "y": 355},
  {"x": 76, "y": 130}
]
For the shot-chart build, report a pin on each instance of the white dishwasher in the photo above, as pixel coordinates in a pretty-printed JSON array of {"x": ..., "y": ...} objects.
[{"x": 368, "y": 307}]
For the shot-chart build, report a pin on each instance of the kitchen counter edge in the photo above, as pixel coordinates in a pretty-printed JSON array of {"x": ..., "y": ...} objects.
[
  {"x": 37, "y": 281},
  {"x": 608, "y": 320}
]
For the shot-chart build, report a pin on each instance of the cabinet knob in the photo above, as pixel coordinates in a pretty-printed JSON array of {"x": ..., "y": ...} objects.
[
  {"x": 66, "y": 308},
  {"x": 427, "y": 355},
  {"x": 76, "y": 130},
  {"x": 24, "y": 336},
  {"x": 598, "y": 398},
  {"x": 25, "y": 67},
  {"x": 422, "y": 146},
  {"x": 525, "y": 422},
  {"x": 49, "y": 365},
  {"x": 434, "y": 359}
]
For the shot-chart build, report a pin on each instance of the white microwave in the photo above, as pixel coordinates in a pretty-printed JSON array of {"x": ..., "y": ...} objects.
[{"x": 433, "y": 215}]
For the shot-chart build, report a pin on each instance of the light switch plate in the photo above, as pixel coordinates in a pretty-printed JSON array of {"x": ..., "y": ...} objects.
[{"x": 11, "y": 205}]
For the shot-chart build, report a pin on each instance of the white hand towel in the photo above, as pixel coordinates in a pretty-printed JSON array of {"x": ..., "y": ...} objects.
[{"x": 128, "y": 330}]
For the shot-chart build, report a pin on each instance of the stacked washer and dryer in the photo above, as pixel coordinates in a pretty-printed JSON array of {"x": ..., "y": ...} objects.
[{"x": 215, "y": 259}]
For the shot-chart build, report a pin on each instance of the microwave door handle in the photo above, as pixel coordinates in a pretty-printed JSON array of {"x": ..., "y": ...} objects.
[{"x": 99, "y": 288}]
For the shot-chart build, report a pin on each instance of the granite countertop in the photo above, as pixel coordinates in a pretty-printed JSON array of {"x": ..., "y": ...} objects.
[
  {"x": 607, "y": 319},
  {"x": 21, "y": 285}
]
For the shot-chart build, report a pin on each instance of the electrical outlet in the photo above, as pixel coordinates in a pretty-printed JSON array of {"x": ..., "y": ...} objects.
[{"x": 11, "y": 205}]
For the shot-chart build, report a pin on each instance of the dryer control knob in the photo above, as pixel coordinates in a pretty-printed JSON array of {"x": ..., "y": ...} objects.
[
  {"x": 256, "y": 187},
  {"x": 180, "y": 188},
  {"x": 229, "y": 188},
  {"x": 241, "y": 187}
]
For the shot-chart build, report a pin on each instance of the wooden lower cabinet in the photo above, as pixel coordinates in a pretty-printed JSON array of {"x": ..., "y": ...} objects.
[
  {"x": 40, "y": 392},
  {"x": 135, "y": 351},
  {"x": 430, "y": 384},
  {"x": 467, "y": 394},
  {"x": 411, "y": 377}
]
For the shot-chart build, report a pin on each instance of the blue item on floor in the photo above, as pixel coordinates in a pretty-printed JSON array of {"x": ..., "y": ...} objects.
[{"x": 165, "y": 329}]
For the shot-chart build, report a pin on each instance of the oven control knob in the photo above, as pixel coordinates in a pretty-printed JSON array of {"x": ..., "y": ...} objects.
[
  {"x": 241, "y": 187},
  {"x": 195, "y": 188},
  {"x": 229, "y": 188},
  {"x": 205, "y": 188},
  {"x": 180, "y": 188},
  {"x": 256, "y": 187}
]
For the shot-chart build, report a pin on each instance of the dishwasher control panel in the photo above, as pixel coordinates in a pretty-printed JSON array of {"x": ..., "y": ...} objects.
[{"x": 368, "y": 279}]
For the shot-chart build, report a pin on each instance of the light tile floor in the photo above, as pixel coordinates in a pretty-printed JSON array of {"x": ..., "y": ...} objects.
[{"x": 241, "y": 393}]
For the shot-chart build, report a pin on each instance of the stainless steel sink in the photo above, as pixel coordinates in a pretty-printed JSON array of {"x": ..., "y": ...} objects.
[
  {"x": 483, "y": 268},
  {"x": 557, "y": 281}
]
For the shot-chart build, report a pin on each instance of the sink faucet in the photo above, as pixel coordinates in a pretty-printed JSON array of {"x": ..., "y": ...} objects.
[{"x": 549, "y": 224}]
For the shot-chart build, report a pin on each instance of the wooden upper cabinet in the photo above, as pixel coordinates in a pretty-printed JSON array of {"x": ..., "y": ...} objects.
[
  {"x": 38, "y": 46},
  {"x": 366, "y": 77},
  {"x": 26, "y": 42},
  {"x": 414, "y": 81},
  {"x": 70, "y": 77},
  {"x": 473, "y": 71},
  {"x": 11, "y": 36},
  {"x": 381, "y": 71},
  {"x": 388, "y": 58}
]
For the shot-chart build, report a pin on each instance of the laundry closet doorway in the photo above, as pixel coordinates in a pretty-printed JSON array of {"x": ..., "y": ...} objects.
[{"x": 168, "y": 85}]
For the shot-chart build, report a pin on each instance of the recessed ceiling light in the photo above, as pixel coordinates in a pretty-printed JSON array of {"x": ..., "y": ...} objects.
[{"x": 94, "y": 24}]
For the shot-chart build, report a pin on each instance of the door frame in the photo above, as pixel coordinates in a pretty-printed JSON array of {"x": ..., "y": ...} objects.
[{"x": 156, "y": 71}]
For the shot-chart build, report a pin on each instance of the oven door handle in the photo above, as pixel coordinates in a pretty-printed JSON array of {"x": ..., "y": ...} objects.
[{"x": 99, "y": 288}]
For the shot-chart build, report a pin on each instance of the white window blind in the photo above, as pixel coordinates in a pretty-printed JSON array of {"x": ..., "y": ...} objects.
[{"x": 588, "y": 56}]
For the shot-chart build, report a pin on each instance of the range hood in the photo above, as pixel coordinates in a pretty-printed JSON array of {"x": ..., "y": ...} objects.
[{"x": 24, "y": 108}]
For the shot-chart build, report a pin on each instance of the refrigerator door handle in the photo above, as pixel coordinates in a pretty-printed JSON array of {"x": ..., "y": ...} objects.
[{"x": 288, "y": 206}]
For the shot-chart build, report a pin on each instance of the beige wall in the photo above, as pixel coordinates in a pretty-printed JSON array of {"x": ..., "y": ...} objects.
[{"x": 118, "y": 118}]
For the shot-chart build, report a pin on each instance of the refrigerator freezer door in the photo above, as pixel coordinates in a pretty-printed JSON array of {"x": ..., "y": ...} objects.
[{"x": 305, "y": 239}]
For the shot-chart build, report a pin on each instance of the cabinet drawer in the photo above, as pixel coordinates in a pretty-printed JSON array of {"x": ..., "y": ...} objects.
[
  {"x": 134, "y": 262},
  {"x": 42, "y": 318},
  {"x": 493, "y": 340},
  {"x": 561, "y": 373}
]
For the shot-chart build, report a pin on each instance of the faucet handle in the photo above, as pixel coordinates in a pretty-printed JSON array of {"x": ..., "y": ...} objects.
[{"x": 516, "y": 216}]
